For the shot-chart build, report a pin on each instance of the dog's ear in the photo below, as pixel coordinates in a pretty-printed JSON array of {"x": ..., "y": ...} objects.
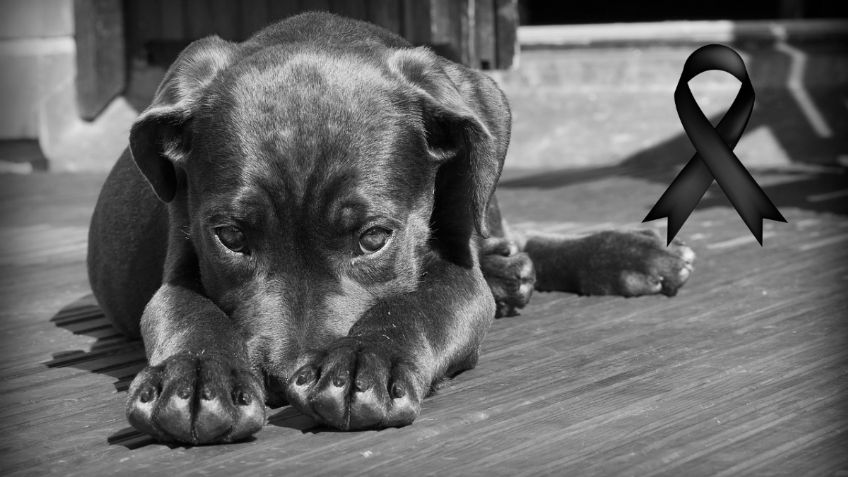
[
  {"x": 159, "y": 138},
  {"x": 457, "y": 138}
]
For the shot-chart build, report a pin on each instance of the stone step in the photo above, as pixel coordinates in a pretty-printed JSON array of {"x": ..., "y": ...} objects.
[{"x": 601, "y": 95}]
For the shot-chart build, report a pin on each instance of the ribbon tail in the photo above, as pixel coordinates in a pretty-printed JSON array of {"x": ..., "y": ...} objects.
[
  {"x": 753, "y": 206},
  {"x": 682, "y": 196}
]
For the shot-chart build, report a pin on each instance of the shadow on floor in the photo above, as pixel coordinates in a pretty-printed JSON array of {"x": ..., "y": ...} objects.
[
  {"x": 807, "y": 124},
  {"x": 118, "y": 357},
  {"x": 111, "y": 354},
  {"x": 805, "y": 186}
]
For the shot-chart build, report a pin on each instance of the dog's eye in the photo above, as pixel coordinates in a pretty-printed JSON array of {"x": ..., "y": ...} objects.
[
  {"x": 232, "y": 238},
  {"x": 374, "y": 239}
]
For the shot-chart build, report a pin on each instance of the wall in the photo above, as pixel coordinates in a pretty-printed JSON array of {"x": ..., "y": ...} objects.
[{"x": 37, "y": 52}]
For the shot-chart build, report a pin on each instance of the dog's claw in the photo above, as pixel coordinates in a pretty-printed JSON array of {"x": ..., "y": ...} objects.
[
  {"x": 305, "y": 376},
  {"x": 146, "y": 395},
  {"x": 242, "y": 398},
  {"x": 398, "y": 391},
  {"x": 163, "y": 401}
]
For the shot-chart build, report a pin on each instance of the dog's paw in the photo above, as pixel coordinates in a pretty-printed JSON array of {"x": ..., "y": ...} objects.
[
  {"x": 358, "y": 383},
  {"x": 509, "y": 273},
  {"x": 634, "y": 263},
  {"x": 196, "y": 400}
]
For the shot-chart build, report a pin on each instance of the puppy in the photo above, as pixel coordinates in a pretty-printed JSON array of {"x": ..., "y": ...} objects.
[{"x": 307, "y": 217}]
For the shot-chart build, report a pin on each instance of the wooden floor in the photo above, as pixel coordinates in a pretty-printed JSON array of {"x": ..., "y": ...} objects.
[{"x": 745, "y": 372}]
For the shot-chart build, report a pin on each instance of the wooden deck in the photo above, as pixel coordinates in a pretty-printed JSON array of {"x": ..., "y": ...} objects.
[{"x": 744, "y": 372}]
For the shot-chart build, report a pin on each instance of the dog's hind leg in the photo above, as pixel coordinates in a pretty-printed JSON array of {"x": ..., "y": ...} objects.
[
  {"x": 126, "y": 246},
  {"x": 627, "y": 263}
]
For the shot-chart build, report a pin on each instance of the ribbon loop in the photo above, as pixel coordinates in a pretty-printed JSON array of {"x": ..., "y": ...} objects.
[{"x": 714, "y": 158}]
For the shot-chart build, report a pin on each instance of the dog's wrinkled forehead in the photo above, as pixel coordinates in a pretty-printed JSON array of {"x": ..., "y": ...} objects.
[{"x": 308, "y": 116}]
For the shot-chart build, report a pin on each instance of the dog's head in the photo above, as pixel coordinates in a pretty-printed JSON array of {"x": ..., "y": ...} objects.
[{"x": 311, "y": 184}]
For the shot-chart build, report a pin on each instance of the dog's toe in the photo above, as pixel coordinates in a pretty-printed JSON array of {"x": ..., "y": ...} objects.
[
  {"x": 212, "y": 420},
  {"x": 675, "y": 267},
  {"x": 356, "y": 385},
  {"x": 141, "y": 403},
  {"x": 195, "y": 400},
  {"x": 510, "y": 274},
  {"x": 637, "y": 283},
  {"x": 685, "y": 253},
  {"x": 173, "y": 417}
]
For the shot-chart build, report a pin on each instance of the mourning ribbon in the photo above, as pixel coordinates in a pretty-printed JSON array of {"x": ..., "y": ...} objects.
[{"x": 714, "y": 159}]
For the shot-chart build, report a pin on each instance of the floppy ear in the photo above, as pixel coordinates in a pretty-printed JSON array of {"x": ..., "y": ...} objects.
[
  {"x": 159, "y": 138},
  {"x": 458, "y": 138}
]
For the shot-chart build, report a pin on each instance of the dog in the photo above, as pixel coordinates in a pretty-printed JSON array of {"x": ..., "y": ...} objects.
[{"x": 307, "y": 217}]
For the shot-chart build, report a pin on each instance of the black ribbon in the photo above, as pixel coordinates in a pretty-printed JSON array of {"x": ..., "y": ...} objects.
[{"x": 714, "y": 158}]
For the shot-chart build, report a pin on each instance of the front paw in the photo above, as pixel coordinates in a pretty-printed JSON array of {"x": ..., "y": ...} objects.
[
  {"x": 509, "y": 274},
  {"x": 635, "y": 263},
  {"x": 196, "y": 400},
  {"x": 358, "y": 383}
]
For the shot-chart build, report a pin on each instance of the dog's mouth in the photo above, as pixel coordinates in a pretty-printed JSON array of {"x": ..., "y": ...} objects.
[{"x": 275, "y": 390}]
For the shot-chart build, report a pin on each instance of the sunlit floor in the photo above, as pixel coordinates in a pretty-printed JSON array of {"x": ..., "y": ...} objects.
[{"x": 743, "y": 372}]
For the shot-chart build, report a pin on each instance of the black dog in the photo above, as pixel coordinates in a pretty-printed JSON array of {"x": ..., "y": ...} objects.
[{"x": 316, "y": 233}]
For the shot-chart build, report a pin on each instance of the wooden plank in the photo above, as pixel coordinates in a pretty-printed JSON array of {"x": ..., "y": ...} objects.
[
  {"x": 446, "y": 24},
  {"x": 100, "y": 56},
  {"x": 468, "y": 33},
  {"x": 350, "y": 8},
  {"x": 385, "y": 13},
  {"x": 316, "y": 5},
  {"x": 453, "y": 31},
  {"x": 486, "y": 39},
  {"x": 506, "y": 13},
  {"x": 200, "y": 18},
  {"x": 417, "y": 20},
  {"x": 144, "y": 24},
  {"x": 279, "y": 9},
  {"x": 226, "y": 19},
  {"x": 173, "y": 20},
  {"x": 254, "y": 16}
]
